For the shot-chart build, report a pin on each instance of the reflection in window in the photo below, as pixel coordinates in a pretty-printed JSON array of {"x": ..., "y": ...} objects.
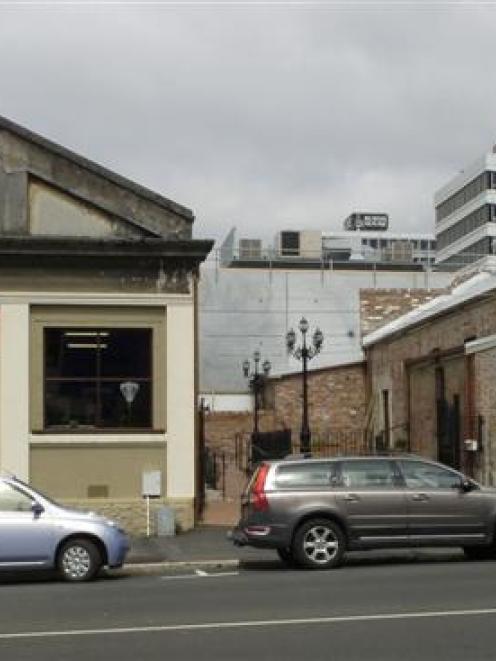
[
  {"x": 367, "y": 474},
  {"x": 98, "y": 378},
  {"x": 311, "y": 474},
  {"x": 420, "y": 475},
  {"x": 12, "y": 500}
]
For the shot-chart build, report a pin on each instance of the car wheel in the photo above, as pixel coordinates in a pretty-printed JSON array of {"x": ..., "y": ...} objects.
[
  {"x": 319, "y": 544},
  {"x": 286, "y": 556},
  {"x": 79, "y": 560},
  {"x": 480, "y": 552}
]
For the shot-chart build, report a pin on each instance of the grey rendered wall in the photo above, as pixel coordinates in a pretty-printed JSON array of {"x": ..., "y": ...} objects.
[{"x": 246, "y": 309}]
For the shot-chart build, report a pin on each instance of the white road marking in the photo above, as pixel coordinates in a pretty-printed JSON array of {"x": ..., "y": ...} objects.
[
  {"x": 338, "y": 619},
  {"x": 200, "y": 574}
]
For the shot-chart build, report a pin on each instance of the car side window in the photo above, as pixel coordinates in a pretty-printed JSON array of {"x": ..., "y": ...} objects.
[
  {"x": 368, "y": 473},
  {"x": 311, "y": 474},
  {"x": 422, "y": 475},
  {"x": 12, "y": 500}
]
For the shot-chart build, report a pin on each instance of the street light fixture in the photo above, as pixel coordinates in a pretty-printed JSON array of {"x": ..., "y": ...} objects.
[
  {"x": 304, "y": 352},
  {"x": 257, "y": 380}
]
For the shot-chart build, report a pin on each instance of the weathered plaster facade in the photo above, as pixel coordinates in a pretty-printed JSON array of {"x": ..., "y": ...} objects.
[{"x": 83, "y": 248}]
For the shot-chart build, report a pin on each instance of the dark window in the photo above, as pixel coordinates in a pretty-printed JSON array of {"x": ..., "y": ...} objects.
[
  {"x": 290, "y": 243},
  {"x": 387, "y": 423},
  {"x": 368, "y": 473},
  {"x": 312, "y": 474},
  {"x": 461, "y": 197},
  {"x": 98, "y": 378},
  {"x": 465, "y": 226}
]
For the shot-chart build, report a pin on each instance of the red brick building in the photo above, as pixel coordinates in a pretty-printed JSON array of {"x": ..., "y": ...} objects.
[{"x": 431, "y": 379}]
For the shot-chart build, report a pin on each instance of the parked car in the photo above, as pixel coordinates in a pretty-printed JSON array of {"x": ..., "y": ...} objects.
[
  {"x": 311, "y": 511},
  {"x": 37, "y": 533}
]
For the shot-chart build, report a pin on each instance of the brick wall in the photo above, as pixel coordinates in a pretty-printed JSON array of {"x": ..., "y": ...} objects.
[
  {"x": 336, "y": 398},
  {"x": 412, "y": 387},
  {"x": 222, "y": 428},
  {"x": 380, "y": 306}
]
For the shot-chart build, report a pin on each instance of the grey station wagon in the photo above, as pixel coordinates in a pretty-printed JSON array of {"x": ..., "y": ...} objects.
[
  {"x": 36, "y": 533},
  {"x": 311, "y": 511}
]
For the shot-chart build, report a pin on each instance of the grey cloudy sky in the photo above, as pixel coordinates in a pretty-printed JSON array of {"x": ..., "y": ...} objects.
[{"x": 267, "y": 116}]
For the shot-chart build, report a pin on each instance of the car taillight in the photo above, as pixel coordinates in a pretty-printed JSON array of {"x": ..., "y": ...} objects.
[{"x": 258, "y": 497}]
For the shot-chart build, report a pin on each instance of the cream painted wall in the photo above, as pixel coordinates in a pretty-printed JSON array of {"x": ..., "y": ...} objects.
[
  {"x": 15, "y": 436},
  {"x": 180, "y": 401},
  {"x": 14, "y": 389}
]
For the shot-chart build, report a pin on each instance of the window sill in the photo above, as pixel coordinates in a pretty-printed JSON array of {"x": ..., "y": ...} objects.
[{"x": 81, "y": 431}]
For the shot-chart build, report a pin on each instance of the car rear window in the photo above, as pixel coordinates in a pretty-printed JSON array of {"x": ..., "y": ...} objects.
[{"x": 314, "y": 474}]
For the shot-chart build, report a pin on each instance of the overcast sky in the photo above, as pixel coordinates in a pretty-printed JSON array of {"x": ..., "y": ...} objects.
[{"x": 265, "y": 117}]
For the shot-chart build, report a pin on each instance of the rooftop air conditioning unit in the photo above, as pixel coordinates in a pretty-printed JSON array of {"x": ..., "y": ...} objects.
[
  {"x": 289, "y": 244},
  {"x": 250, "y": 248}
]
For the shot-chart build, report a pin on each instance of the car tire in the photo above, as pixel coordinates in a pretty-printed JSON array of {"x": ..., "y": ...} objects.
[
  {"x": 286, "y": 556},
  {"x": 480, "y": 552},
  {"x": 319, "y": 544},
  {"x": 79, "y": 560}
]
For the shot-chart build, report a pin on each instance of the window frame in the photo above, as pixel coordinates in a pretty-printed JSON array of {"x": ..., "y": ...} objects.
[
  {"x": 53, "y": 315},
  {"x": 98, "y": 380}
]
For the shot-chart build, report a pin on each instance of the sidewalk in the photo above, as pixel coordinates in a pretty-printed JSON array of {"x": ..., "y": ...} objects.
[{"x": 203, "y": 544}]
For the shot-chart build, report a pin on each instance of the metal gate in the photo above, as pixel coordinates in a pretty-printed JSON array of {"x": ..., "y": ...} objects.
[
  {"x": 448, "y": 432},
  {"x": 270, "y": 445}
]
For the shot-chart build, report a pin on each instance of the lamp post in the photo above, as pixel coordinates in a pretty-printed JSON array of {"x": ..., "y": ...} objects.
[
  {"x": 257, "y": 379},
  {"x": 304, "y": 352}
]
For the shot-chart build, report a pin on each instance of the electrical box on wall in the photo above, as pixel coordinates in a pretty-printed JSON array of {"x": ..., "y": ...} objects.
[
  {"x": 471, "y": 444},
  {"x": 151, "y": 484}
]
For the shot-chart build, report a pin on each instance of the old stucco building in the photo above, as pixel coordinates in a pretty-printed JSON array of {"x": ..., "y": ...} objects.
[{"x": 98, "y": 355}]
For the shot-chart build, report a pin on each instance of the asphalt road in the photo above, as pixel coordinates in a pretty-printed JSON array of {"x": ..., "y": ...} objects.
[{"x": 395, "y": 611}]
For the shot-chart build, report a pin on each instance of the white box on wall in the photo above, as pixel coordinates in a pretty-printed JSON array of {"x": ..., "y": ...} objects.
[{"x": 151, "y": 484}]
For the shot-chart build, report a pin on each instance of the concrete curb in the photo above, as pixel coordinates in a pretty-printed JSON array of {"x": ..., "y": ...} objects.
[{"x": 157, "y": 568}]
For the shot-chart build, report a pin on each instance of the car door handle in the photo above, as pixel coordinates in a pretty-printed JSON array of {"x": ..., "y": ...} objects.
[
  {"x": 420, "y": 496},
  {"x": 351, "y": 497}
]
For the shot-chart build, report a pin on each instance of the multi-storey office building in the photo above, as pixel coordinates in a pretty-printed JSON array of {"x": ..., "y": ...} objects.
[{"x": 466, "y": 215}]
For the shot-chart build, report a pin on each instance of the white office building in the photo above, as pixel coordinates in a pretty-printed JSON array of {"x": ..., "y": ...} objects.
[{"x": 466, "y": 215}]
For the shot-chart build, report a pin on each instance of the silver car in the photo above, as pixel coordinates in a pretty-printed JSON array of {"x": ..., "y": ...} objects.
[
  {"x": 311, "y": 511},
  {"x": 36, "y": 532}
]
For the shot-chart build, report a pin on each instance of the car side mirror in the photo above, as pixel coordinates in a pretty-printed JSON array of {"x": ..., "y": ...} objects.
[
  {"x": 37, "y": 508},
  {"x": 466, "y": 485}
]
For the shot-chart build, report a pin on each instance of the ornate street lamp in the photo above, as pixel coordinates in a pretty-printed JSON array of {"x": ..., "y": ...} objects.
[
  {"x": 257, "y": 380},
  {"x": 304, "y": 352}
]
